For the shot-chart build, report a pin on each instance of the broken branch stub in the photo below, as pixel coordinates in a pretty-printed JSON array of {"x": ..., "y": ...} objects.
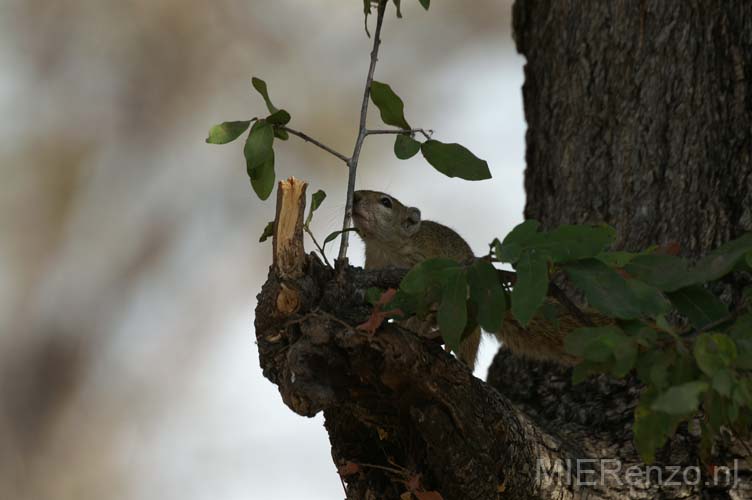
[{"x": 289, "y": 252}]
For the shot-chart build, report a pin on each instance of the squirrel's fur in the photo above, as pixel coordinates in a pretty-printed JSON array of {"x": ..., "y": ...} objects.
[{"x": 395, "y": 236}]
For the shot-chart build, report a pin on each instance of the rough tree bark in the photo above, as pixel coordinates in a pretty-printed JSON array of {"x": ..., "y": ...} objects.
[{"x": 638, "y": 115}]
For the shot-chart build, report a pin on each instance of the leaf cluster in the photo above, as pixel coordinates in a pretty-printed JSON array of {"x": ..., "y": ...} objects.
[
  {"x": 452, "y": 160},
  {"x": 702, "y": 368}
]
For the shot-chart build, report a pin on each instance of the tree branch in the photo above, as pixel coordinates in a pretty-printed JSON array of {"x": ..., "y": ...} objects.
[
  {"x": 396, "y": 398},
  {"x": 313, "y": 141},
  {"x": 316, "y": 243},
  {"x": 561, "y": 296},
  {"x": 362, "y": 132},
  {"x": 426, "y": 133}
]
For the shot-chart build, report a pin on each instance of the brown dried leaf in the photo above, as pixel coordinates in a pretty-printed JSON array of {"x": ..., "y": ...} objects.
[
  {"x": 670, "y": 248},
  {"x": 348, "y": 469},
  {"x": 413, "y": 484},
  {"x": 428, "y": 495},
  {"x": 377, "y": 315}
]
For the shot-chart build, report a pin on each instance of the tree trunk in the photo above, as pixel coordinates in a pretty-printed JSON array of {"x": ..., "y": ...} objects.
[{"x": 638, "y": 116}]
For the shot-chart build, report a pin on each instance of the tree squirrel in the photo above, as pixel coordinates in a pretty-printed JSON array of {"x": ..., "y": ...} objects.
[{"x": 395, "y": 236}]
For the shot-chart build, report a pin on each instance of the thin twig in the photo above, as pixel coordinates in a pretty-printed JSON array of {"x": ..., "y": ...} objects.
[
  {"x": 332, "y": 317},
  {"x": 321, "y": 250},
  {"x": 401, "y": 473},
  {"x": 353, "y": 163},
  {"x": 696, "y": 332},
  {"x": 559, "y": 295},
  {"x": 344, "y": 487},
  {"x": 313, "y": 141},
  {"x": 412, "y": 131}
]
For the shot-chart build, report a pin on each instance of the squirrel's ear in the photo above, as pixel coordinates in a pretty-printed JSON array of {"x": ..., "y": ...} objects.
[{"x": 412, "y": 223}]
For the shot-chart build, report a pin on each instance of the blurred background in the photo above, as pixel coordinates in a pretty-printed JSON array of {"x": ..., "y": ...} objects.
[{"x": 129, "y": 254}]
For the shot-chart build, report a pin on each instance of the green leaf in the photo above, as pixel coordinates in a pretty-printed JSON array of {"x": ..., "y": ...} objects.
[
  {"x": 531, "y": 286},
  {"x": 699, "y": 305},
  {"x": 746, "y": 295},
  {"x": 715, "y": 408},
  {"x": 280, "y": 117},
  {"x": 563, "y": 244},
  {"x": 454, "y": 160},
  {"x": 281, "y": 134},
  {"x": 742, "y": 392},
  {"x": 316, "y": 200},
  {"x": 665, "y": 272},
  {"x": 551, "y": 311},
  {"x": 744, "y": 359},
  {"x": 684, "y": 369},
  {"x": 651, "y": 431},
  {"x": 263, "y": 177},
  {"x": 714, "y": 351},
  {"x": 616, "y": 259},
  {"x": 601, "y": 345},
  {"x": 570, "y": 242},
  {"x": 227, "y": 132},
  {"x": 583, "y": 370},
  {"x": 652, "y": 368},
  {"x": 259, "y": 158},
  {"x": 487, "y": 293},
  {"x": 425, "y": 3},
  {"x": 640, "y": 332},
  {"x": 258, "y": 145},
  {"x": 405, "y": 147},
  {"x": 723, "y": 382},
  {"x": 611, "y": 294},
  {"x": 423, "y": 275},
  {"x": 406, "y": 303},
  {"x": 333, "y": 236},
  {"x": 742, "y": 328},
  {"x": 390, "y": 105},
  {"x": 625, "y": 356},
  {"x": 680, "y": 399},
  {"x": 399, "y": 11},
  {"x": 260, "y": 86},
  {"x": 652, "y": 302},
  {"x": 517, "y": 240},
  {"x": 452, "y": 314},
  {"x": 268, "y": 232},
  {"x": 722, "y": 260},
  {"x": 741, "y": 333},
  {"x": 669, "y": 273}
]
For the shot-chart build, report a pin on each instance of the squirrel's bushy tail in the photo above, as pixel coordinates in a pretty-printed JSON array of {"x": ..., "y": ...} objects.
[{"x": 468, "y": 351}]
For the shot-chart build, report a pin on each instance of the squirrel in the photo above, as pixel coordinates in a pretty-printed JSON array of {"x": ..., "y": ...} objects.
[{"x": 395, "y": 236}]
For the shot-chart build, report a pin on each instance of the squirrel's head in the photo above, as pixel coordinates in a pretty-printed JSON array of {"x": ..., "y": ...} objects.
[{"x": 381, "y": 217}]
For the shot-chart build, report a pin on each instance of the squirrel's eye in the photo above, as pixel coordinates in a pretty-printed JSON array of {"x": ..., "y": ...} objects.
[{"x": 386, "y": 202}]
